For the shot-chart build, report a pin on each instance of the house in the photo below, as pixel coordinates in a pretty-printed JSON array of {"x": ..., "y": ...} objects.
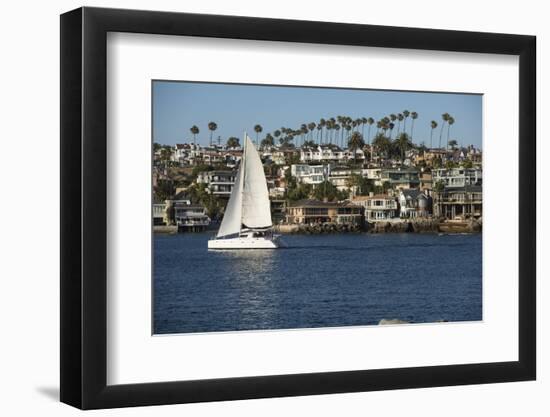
[
  {"x": 400, "y": 178},
  {"x": 191, "y": 218},
  {"x": 219, "y": 183},
  {"x": 457, "y": 177},
  {"x": 315, "y": 211},
  {"x": 414, "y": 203},
  {"x": 433, "y": 154},
  {"x": 159, "y": 214},
  {"x": 426, "y": 181},
  {"x": 462, "y": 202},
  {"x": 329, "y": 153},
  {"x": 339, "y": 177},
  {"x": 309, "y": 174},
  {"x": 378, "y": 207}
]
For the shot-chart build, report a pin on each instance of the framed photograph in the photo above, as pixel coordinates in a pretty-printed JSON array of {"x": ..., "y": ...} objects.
[{"x": 257, "y": 208}]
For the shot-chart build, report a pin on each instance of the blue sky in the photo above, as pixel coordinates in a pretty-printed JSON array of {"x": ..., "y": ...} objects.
[{"x": 235, "y": 108}]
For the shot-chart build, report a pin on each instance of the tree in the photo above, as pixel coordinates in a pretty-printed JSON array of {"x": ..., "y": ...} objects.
[
  {"x": 467, "y": 163},
  {"x": 453, "y": 143},
  {"x": 445, "y": 117},
  {"x": 268, "y": 141},
  {"x": 356, "y": 142},
  {"x": 233, "y": 142},
  {"x": 433, "y": 125},
  {"x": 322, "y": 123},
  {"x": 439, "y": 186},
  {"x": 311, "y": 126},
  {"x": 406, "y": 114},
  {"x": 212, "y": 127},
  {"x": 360, "y": 184},
  {"x": 450, "y": 164},
  {"x": 258, "y": 129},
  {"x": 195, "y": 131},
  {"x": 403, "y": 143},
  {"x": 450, "y": 122},
  {"x": 327, "y": 190},
  {"x": 414, "y": 116},
  {"x": 400, "y": 118},
  {"x": 370, "y": 121},
  {"x": 381, "y": 143}
]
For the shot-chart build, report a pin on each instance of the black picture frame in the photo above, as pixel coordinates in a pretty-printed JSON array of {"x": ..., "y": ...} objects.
[{"x": 84, "y": 207}]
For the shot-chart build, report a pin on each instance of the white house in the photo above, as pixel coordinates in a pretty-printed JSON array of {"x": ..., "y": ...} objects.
[
  {"x": 457, "y": 177},
  {"x": 379, "y": 207},
  {"x": 414, "y": 203},
  {"x": 310, "y": 174}
]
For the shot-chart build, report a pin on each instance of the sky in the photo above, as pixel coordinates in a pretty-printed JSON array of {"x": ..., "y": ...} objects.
[{"x": 236, "y": 108}]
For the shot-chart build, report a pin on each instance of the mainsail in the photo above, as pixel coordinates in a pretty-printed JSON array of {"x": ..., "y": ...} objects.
[
  {"x": 256, "y": 211},
  {"x": 249, "y": 201}
]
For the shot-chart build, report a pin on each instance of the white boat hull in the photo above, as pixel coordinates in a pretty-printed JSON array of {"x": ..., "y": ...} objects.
[{"x": 245, "y": 243}]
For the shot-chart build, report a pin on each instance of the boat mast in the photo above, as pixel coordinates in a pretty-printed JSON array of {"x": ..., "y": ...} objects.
[{"x": 242, "y": 182}]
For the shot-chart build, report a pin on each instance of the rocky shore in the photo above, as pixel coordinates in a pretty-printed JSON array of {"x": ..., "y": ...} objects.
[{"x": 394, "y": 226}]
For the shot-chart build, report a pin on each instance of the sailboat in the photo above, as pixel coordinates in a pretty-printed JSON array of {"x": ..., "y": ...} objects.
[{"x": 247, "y": 222}]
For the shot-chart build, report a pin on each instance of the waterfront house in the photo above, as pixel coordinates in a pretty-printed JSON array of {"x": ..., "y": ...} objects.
[
  {"x": 316, "y": 212},
  {"x": 218, "y": 183},
  {"x": 377, "y": 207},
  {"x": 414, "y": 203},
  {"x": 191, "y": 218},
  {"x": 459, "y": 202},
  {"x": 159, "y": 214},
  {"x": 457, "y": 177}
]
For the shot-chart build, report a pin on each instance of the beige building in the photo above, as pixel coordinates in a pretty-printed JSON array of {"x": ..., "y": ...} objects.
[{"x": 314, "y": 211}]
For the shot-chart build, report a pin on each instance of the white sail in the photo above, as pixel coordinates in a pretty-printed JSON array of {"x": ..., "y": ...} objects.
[
  {"x": 231, "y": 223},
  {"x": 256, "y": 210}
]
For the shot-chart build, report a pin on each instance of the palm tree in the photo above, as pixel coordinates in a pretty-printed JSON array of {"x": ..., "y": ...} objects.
[
  {"x": 336, "y": 128},
  {"x": 268, "y": 141},
  {"x": 348, "y": 128},
  {"x": 391, "y": 126},
  {"x": 277, "y": 133},
  {"x": 319, "y": 128},
  {"x": 258, "y": 129},
  {"x": 370, "y": 121},
  {"x": 212, "y": 126},
  {"x": 450, "y": 122},
  {"x": 364, "y": 121},
  {"x": 322, "y": 123},
  {"x": 445, "y": 117},
  {"x": 195, "y": 131},
  {"x": 405, "y": 115},
  {"x": 311, "y": 126},
  {"x": 393, "y": 118},
  {"x": 355, "y": 142},
  {"x": 400, "y": 118},
  {"x": 433, "y": 125},
  {"x": 414, "y": 116},
  {"x": 403, "y": 143},
  {"x": 233, "y": 142}
]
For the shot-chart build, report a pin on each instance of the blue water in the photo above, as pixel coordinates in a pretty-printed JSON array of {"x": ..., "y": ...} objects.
[{"x": 318, "y": 281}]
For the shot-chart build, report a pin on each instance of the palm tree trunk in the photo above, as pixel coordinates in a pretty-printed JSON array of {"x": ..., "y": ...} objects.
[
  {"x": 431, "y": 135},
  {"x": 412, "y": 129},
  {"x": 441, "y": 134}
]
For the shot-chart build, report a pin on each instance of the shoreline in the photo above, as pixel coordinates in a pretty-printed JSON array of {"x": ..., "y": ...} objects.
[{"x": 433, "y": 226}]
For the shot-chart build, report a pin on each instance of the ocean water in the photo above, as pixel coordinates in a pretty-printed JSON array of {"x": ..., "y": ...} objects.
[{"x": 318, "y": 281}]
